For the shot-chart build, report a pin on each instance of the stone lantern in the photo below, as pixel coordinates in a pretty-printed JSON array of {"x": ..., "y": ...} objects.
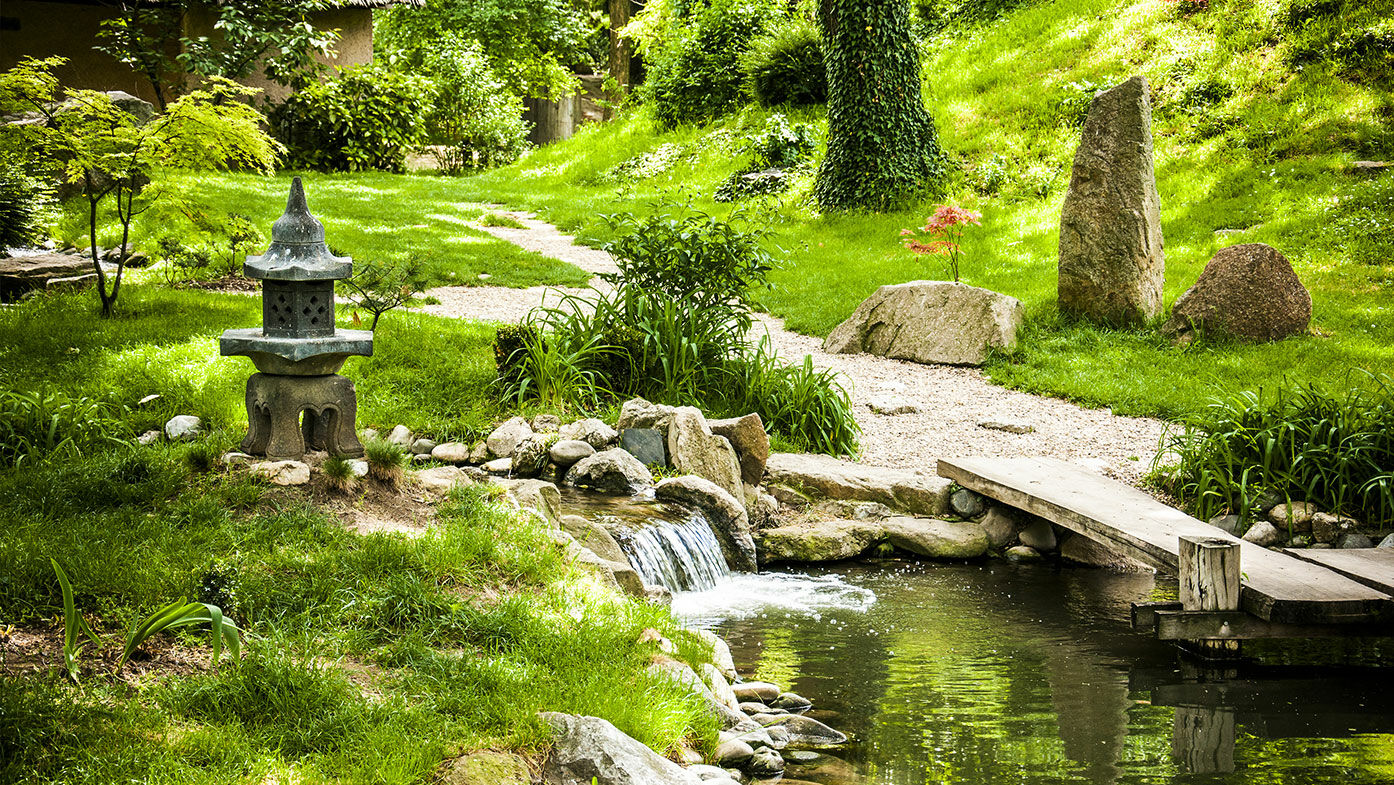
[{"x": 297, "y": 349}]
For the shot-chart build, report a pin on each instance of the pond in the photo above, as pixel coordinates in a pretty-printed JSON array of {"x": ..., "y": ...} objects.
[{"x": 1001, "y": 673}]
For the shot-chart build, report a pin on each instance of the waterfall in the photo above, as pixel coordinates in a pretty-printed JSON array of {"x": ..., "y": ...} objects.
[{"x": 679, "y": 556}]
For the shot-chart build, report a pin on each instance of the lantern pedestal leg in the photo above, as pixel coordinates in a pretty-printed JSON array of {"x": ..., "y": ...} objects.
[{"x": 275, "y": 405}]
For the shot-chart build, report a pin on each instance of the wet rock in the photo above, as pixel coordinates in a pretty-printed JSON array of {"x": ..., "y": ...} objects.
[
  {"x": 822, "y": 476},
  {"x": 1038, "y": 534},
  {"x": 779, "y": 737},
  {"x": 1354, "y": 540},
  {"x": 1229, "y": 524},
  {"x": 930, "y": 322},
  {"x": 591, "y": 431},
  {"x": 567, "y": 452},
  {"x": 639, "y": 413},
  {"x": 1020, "y": 554},
  {"x": 648, "y": 445},
  {"x": 791, "y": 701},
  {"x": 755, "y": 707},
  {"x": 1000, "y": 527},
  {"x": 530, "y": 456},
  {"x": 451, "y": 452},
  {"x": 808, "y": 732},
  {"x": 593, "y": 536},
  {"x": 694, "y": 449},
  {"x": 1263, "y": 533},
  {"x": 1295, "y": 515},
  {"x": 1112, "y": 264},
  {"x": 761, "y": 691},
  {"x": 589, "y": 747},
  {"x": 610, "y": 471},
  {"x": 816, "y": 541},
  {"x": 506, "y": 438},
  {"x": 539, "y": 496},
  {"x": 183, "y": 428},
  {"x": 708, "y": 773},
  {"x": 400, "y": 436},
  {"x": 936, "y": 539},
  {"x": 750, "y": 441},
  {"x": 1246, "y": 291},
  {"x": 422, "y": 447},
  {"x": 486, "y": 768},
  {"x": 727, "y": 517},
  {"x": 282, "y": 472},
  {"x": 766, "y": 762},
  {"x": 966, "y": 503}
]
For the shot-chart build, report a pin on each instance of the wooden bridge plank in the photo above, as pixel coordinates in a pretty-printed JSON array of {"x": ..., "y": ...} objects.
[
  {"x": 1373, "y": 567},
  {"x": 1276, "y": 587}
]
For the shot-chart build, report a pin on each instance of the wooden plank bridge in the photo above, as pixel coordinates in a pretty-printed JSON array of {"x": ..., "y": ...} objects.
[{"x": 1230, "y": 589}]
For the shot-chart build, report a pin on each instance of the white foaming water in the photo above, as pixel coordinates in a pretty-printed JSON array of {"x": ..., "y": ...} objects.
[
  {"x": 679, "y": 556},
  {"x": 743, "y": 595}
]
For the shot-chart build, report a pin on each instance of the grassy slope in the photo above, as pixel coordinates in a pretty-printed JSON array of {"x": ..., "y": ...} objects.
[{"x": 1270, "y": 160}]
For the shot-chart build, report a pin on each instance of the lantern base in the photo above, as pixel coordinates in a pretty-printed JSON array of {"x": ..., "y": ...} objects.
[{"x": 274, "y": 408}]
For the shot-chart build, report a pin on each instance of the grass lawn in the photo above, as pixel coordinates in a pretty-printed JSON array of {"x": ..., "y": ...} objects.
[{"x": 1264, "y": 157}]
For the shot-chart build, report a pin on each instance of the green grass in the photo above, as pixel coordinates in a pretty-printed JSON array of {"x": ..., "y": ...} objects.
[{"x": 1265, "y": 155}]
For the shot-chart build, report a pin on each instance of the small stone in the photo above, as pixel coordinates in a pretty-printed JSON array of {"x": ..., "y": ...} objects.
[
  {"x": 421, "y": 459},
  {"x": 966, "y": 503},
  {"x": 765, "y": 762},
  {"x": 1297, "y": 515},
  {"x": 1300, "y": 541},
  {"x": 151, "y": 398},
  {"x": 1352, "y": 540},
  {"x": 479, "y": 453},
  {"x": 368, "y": 434},
  {"x": 1023, "y": 553},
  {"x": 733, "y": 752},
  {"x": 451, "y": 452},
  {"x": 498, "y": 466},
  {"x": 648, "y": 445},
  {"x": 400, "y": 436},
  {"x": 149, "y": 437},
  {"x": 610, "y": 471},
  {"x": 1230, "y": 524},
  {"x": 568, "y": 451},
  {"x": 1263, "y": 533},
  {"x": 591, "y": 431},
  {"x": 283, "y": 472},
  {"x": 707, "y": 773},
  {"x": 422, "y": 447},
  {"x": 1039, "y": 535},
  {"x": 658, "y": 595},
  {"x": 1007, "y": 426},
  {"x": 1000, "y": 527},
  {"x": 761, "y": 691},
  {"x": 546, "y": 423},
  {"x": 506, "y": 438},
  {"x": 891, "y": 407},
  {"x": 639, "y": 413},
  {"x": 530, "y": 456},
  {"x": 754, "y": 707},
  {"x": 235, "y": 458},
  {"x": 183, "y": 427},
  {"x": 791, "y": 701},
  {"x": 1327, "y": 527}
]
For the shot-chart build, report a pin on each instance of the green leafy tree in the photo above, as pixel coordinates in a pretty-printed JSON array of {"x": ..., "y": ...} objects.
[
  {"x": 106, "y": 155},
  {"x": 882, "y": 144},
  {"x": 474, "y": 118}
]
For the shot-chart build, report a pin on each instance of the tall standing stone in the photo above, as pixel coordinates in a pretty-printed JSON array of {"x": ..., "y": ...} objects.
[{"x": 1111, "y": 261}]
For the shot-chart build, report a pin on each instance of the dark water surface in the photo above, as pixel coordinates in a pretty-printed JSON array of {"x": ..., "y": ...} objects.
[{"x": 1000, "y": 673}]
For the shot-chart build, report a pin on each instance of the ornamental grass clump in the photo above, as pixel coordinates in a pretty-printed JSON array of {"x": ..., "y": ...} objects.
[
  {"x": 338, "y": 473},
  {"x": 942, "y": 234},
  {"x": 386, "y": 460}
]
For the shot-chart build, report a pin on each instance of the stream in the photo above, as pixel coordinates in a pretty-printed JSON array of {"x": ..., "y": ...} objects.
[{"x": 993, "y": 673}]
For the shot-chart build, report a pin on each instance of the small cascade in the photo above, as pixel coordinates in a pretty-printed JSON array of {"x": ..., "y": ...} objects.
[{"x": 677, "y": 555}]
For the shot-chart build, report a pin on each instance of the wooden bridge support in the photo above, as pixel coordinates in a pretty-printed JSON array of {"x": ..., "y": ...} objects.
[{"x": 1209, "y": 581}]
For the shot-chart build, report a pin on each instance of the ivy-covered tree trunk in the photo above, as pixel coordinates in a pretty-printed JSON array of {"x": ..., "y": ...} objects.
[{"x": 882, "y": 145}]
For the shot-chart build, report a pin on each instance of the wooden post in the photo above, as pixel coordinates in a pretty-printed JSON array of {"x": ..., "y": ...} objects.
[{"x": 1208, "y": 573}]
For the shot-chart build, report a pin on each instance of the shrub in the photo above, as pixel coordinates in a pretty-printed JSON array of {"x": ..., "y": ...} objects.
[
  {"x": 477, "y": 121},
  {"x": 778, "y": 146},
  {"x": 22, "y": 203},
  {"x": 368, "y": 117},
  {"x": 697, "y": 77},
  {"x": 1335, "y": 451},
  {"x": 786, "y": 66}
]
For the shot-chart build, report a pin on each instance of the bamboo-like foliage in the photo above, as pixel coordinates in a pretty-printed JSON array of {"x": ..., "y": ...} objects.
[
  {"x": 74, "y": 626},
  {"x": 38, "y": 424},
  {"x": 183, "y": 614}
]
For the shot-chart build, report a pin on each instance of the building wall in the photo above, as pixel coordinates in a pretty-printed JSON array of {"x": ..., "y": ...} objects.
[{"x": 43, "y": 29}]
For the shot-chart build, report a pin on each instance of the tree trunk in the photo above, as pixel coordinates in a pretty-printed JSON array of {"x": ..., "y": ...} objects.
[{"x": 619, "y": 53}]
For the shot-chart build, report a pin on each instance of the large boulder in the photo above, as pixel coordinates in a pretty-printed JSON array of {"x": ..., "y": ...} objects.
[
  {"x": 20, "y": 274},
  {"x": 591, "y": 751},
  {"x": 591, "y": 431},
  {"x": 610, "y": 471},
  {"x": 694, "y": 449},
  {"x": 593, "y": 536},
  {"x": 726, "y": 516},
  {"x": 750, "y": 441},
  {"x": 1246, "y": 291},
  {"x": 915, "y": 492},
  {"x": 639, "y": 413},
  {"x": 506, "y": 438},
  {"x": 1111, "y": 261},
  {"x": 817, "y": 541},
  {"x": 936, "y": 539},
  {"x": 929, "y": 322}
]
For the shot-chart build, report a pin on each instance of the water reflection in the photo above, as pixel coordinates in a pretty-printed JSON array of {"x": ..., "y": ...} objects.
[{"x": 1008, "y": 674}]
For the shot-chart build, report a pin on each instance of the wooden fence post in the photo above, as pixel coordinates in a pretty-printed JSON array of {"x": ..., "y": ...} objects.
[{"x": 1208, "y": 573}]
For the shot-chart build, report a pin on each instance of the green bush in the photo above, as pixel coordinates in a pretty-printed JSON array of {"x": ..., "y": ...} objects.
[
  {"x": 786, "y": 66},
  {"x": 367, "y": 117},
  {"x": 1335, "y": 451},
  {"x": 777, "y": 147},
  {"x": 473, "y": 116},
  {"x": 22, "y": 203},
  {"x": 697, "y": 77}
]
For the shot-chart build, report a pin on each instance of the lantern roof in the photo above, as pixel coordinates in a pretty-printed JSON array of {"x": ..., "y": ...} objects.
[{"x": 298, "y": 251}]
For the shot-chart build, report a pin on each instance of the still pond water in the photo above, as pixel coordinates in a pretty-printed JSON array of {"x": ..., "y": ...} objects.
[{"x": 997, "y": 673}]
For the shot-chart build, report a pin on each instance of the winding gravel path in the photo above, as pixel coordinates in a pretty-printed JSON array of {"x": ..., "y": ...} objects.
[{"x": 951, "y": 401}]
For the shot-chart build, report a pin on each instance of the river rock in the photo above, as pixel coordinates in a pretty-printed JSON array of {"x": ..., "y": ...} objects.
[
  {"x": 451, "y": 452},
  {"x": 567, "y": 452},
  {"x": 589, "y": 747},
  {"x": 755, "y": 707},
  {"x": 766, "y": 762},
  {"x": 721, "y": 653},
  {"x": 709, "y": 773},
  {"x": 1020, "y": 554},
  {"x": 530, "y": 457},
  {"x": 1078, "y": 549},
  {"x": 1263, "y": 533},
  {"x": 441, "y": 478},
  {"x": 810, "y": 542},
  {"x": 593, "y": 536},
  {"x": 1354, "y": 540},
  {"x": 282, "y": 472},
  {"x": 750, "y": 441},
  {"x": 639, "y": 413},
  {"x": 422, "y": 447},
  {"x": 1246, "y": 291},
  {"x": 506, "y": 438},
  {"x": 1294, "y": 515},
  {"x": 694, "y": 449},
  {"x": 540, "y": 496},
  {"x": 499, "y": 467},
  {"x": 734, "y": 752},
  {"x": 808, "y": 732},
  {"x": 936, "y": 539},
  {"x": 791, "y": 701},
  {"x": 486, "y": 768},
  {"x": 400, "y": 436},
  {"x": 930, "y": 322},
  {"x": 545, "y": 423},
  {"x": 591, "y": 431},
  {"x": 1000, "y": 526},
  {"x": 761, "y": 691},
  {"x": 610, "y": 471},
  {"x": 183, "y": 428},
  {"x": 726, "y": 515},
  {"x": 1038, "y": 534},
  {"x": 649, "y": 445},
  {"x": 1112, "y": 265},
  {"x": 915, "y": 492},
  {"x": 966, "y": 503}
]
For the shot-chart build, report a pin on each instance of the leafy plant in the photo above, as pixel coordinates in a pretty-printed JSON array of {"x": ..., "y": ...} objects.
[
  {"x": 942, "y": 234},
  {"x": 74, "y": 626},
  {"x": 379, "y": 287},
  {"x": 23, "y": 200},
  {"x": 475, "y": 121},
  {"x": 785, "y": 67},
  {"x": 385, "y": 460},
  {"x": 367, "y": 117},
  {"x": 40, "y": 424},
  {"x": 184, "y": 614}
]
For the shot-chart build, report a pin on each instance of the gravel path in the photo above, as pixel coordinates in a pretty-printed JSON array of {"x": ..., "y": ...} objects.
[{"x": 951, "y": 401}]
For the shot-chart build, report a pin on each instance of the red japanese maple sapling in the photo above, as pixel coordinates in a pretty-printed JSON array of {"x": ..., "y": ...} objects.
[{"x": 942, "y": 234}]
